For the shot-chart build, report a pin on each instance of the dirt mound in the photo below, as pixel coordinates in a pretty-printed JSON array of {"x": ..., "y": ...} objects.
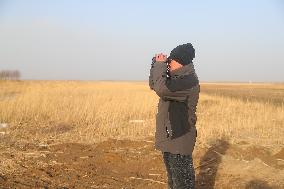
[
  {"x": 134, "y": 164},
  {"x": 249, "y": 153},
  {"x": 224, "y": 165},
  {"x": 111, "y": 164}
]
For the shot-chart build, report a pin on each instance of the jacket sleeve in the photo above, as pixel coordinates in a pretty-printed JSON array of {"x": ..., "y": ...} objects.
[{"x": 170, "y": 88}]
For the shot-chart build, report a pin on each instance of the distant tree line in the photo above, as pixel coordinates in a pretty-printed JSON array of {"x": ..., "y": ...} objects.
[{"x": 10, "y": 75}]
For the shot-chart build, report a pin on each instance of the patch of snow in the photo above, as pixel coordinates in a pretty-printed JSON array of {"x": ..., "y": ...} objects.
[
  {"x": 3, "y": 125},
  {"x": 136, "y": 121}
]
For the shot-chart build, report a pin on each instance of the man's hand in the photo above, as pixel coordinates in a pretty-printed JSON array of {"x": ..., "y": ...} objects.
[{"x": 161, "y": 57}]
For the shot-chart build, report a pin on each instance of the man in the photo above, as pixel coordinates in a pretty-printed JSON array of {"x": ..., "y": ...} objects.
[{"x": 174, "y": 80}]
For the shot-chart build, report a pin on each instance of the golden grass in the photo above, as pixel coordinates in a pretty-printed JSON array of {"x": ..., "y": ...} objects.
[
  {"x": 264, "y": 92},
  {"x": 81, "y": 111}
]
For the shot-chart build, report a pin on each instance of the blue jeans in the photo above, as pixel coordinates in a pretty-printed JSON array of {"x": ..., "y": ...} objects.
[{"x": 180, "y": 171}]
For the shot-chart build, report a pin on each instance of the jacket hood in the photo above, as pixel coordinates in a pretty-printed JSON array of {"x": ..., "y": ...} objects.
[{"x": 184, "y": 70}]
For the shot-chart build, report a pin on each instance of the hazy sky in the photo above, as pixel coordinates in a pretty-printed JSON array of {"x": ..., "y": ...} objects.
[{"x": 237, "y": 40}]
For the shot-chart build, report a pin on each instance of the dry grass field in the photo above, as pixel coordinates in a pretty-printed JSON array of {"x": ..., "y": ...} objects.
[{"x": 79, "y": 134}]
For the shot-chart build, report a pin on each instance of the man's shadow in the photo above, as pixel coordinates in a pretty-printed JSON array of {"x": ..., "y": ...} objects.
[{"x": 209, "y": 164}]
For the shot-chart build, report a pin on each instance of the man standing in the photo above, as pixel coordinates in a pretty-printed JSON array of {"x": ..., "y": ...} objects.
[{"x": 174, "y": 80}]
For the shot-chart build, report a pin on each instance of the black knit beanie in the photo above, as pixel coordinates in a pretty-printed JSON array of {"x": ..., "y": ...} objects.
[{"x": 183, "y": 54}]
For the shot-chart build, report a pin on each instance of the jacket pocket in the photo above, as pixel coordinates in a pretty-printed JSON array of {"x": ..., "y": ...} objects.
[{"x": 178, "y": 116}]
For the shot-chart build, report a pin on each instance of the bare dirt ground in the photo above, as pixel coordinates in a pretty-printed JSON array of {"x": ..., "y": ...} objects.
[{"x": 134, "y": 164}]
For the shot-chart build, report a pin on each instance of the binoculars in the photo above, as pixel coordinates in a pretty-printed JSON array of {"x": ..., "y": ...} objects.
[{"x": 168, "y": 61}]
